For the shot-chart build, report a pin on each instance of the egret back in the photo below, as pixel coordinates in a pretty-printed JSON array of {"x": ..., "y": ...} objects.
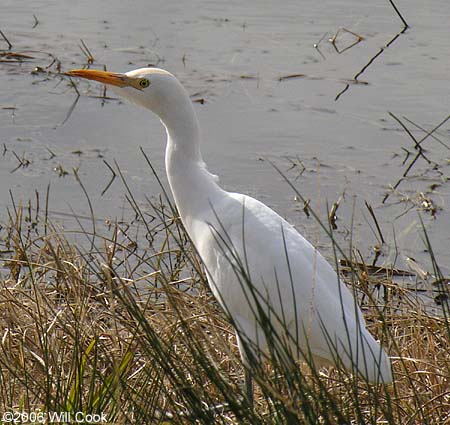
[{"x": 260, "y": 268}]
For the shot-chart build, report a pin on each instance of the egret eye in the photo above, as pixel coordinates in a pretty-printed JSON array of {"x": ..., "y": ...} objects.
[{"x": 144, "y": 83}]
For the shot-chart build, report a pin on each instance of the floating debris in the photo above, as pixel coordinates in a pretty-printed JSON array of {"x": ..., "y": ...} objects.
[
  {"x": 23, "y": 161},
  {"x": 38, "y": 70},
  {"x": 60, "y": 171},
  {"x": 291, "y": 76},
  {"x": 334, "y": 40},
  {"x": 347, "y": 266},
  {"x": 419, "y": 271},
  {"x": 14, "y": 57},
  {"x": 427, "y": 204}
]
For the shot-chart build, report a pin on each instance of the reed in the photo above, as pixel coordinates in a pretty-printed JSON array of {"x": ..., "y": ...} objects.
[{"x": 128, "y": 328}]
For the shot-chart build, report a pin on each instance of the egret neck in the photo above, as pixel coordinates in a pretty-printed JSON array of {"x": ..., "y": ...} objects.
[{"x": 193, "y": 187}]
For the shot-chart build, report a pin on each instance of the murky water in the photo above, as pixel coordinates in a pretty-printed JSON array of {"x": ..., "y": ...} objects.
[{"x": 232, "y": 55}]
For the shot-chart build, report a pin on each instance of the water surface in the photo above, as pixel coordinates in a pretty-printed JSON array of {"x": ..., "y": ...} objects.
[{"x": 232, "y": 55}]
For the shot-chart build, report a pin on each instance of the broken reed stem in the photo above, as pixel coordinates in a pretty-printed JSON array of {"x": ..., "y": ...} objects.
[
  {"x": 114, "y": 175},
  {"x": 36, "y": 22},
  {"x": 372, "y": 213},
  {"x": 6, "y": 39},
  {"x": 87, "y": 52},
  {"x": 405, "y": 24},
  {"x": 91, "y": 208},
  {"x": 417, "y": 145},
  {"x": 378, "y": 54},
  {"x": 426, "y": 131}
]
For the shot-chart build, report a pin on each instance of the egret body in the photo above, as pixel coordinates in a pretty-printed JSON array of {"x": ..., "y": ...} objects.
[{"x": 256, "y": 263}]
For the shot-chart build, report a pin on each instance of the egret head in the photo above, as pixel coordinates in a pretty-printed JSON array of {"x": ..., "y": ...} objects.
[{"x": 152, "y": 88}]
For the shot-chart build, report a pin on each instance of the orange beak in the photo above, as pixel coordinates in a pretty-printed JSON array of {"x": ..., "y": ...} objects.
[{"x": 111, "y": 78}]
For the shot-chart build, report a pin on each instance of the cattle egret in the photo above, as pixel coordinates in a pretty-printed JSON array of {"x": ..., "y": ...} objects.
[{"x": 260, "y": 269}]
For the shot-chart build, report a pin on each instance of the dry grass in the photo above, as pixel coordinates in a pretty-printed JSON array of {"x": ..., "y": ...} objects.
[{"x": 135, "y": 334}]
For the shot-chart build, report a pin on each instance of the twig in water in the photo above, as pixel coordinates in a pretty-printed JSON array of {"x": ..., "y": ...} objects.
[
  {"x": 6, "y": 39},
  {"x": 426, "y": 131},
  {"x": 333, "y": 40},
  {"x": 419, "y": 153},
  {"x": 408, "y": 153},
  {"x": 72, "y": 107},
  {"x": 382, "y": 49},
  {"x": 347, "y": 82},
  {"x": 104, "y": 88},
  {"x": 332, "y": 217},
  {"x": 91, "y": 208},
  {"x": 114, "y": 175},
  {"x": 316, "y": 46},
  {"x": 54, "y": 60},
  {"x": 370, "y": 209},
  {"x": 291, "y": 76},
  {"x": 86, "y": 51},
  {"x": 306, "y": 203},
  {"x": 23, "y": 162},
  {"x": 74, "y": 85},
  {"x": 405, "y": 24},
  {"x": 74, "y": 104},
  {"x": 416, "y": 143},
  {"x": 52, "y": 154},
  {"x": 36, "y": 22},
  {"x": 296, "y": 163},
  {"x": 15, "y": 57},
  {"x": 347, "y": 86}
]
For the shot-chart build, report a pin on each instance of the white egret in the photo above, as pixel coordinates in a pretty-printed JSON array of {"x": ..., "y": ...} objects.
[{"x": 256, "y": 263}]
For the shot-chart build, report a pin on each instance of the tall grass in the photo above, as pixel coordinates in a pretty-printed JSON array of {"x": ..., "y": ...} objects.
[{"x": 128, "y": 327}]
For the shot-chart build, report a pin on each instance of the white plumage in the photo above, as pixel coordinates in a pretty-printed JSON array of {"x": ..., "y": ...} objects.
[{"x": 239, "y": 239}]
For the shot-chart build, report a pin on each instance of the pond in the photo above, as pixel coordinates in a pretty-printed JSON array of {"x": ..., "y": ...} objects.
[{"x": 272, "y": 83}]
